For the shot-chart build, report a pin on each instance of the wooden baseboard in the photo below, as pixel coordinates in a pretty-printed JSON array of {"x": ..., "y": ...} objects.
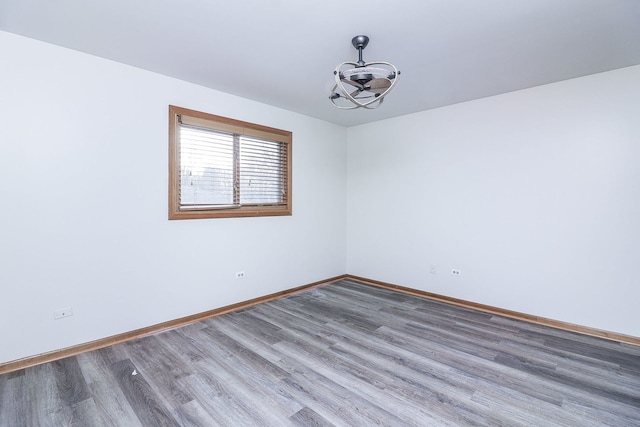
[
  {"x": 116, "y": 339},
  {"x": 613, "y": 336}
]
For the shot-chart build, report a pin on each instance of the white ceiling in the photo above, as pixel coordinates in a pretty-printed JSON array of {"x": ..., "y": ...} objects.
[{"x": 283, "y": 52}]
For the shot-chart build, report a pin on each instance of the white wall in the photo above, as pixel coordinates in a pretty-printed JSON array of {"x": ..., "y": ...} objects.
[
  {"x": 83, "y": 193},
  {"x": 534, "y": 195}
]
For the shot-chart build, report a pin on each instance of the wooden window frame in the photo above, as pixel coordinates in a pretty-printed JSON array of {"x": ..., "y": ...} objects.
[{"x": 176, "y": 211}]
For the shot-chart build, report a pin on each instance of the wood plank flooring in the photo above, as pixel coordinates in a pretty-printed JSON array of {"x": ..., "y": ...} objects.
[{"x": 344, "y": 354}]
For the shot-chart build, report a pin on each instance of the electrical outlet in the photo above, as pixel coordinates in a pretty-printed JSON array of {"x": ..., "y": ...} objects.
[
  {"x": 63, "y": 312},
  {"x": 433, "y": 269},
  {"x": 240, "y": 275},
  {"x": 455, "y": 272}
]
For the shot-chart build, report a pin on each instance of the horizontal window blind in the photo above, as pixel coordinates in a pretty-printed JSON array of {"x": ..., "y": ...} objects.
[
  {"x": 262, "y": 171},
  {"x": 219, "y": 168},
  {"x": 206, "y": 168},
  {"x": 233, "y": 126}
]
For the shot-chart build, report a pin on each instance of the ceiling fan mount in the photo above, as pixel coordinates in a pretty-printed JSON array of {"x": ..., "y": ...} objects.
[{"x": 360, "y": 42}]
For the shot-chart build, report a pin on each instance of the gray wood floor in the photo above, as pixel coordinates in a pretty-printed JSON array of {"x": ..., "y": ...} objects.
[{"x": 343, "y": 354}]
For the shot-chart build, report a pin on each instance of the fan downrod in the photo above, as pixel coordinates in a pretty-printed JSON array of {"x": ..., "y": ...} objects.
[{"x": 360, "y": 42}]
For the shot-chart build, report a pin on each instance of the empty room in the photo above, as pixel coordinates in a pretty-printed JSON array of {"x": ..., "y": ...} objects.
[{"x": 280, "y": 213}]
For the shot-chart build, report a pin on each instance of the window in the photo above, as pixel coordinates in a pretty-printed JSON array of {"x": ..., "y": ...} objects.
[{"x": 221, "y": 168}]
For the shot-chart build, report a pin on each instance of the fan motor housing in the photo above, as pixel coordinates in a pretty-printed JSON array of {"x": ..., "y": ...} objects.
[{"x": 362, "y": 78}]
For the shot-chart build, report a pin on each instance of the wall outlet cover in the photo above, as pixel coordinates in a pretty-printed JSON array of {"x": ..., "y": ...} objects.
[{"x": 63, "y": 312}]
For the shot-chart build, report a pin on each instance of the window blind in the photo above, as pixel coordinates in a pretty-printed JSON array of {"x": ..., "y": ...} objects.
[
  {"x": 206, "y": 168},
  {"x": 262, "y": 171},
  {"x": 222, "y": 168}
]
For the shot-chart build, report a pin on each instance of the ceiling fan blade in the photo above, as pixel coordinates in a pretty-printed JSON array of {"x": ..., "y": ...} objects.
[
  {"x": 378, "y": 85},
  {"x": 352, "y": 83}
]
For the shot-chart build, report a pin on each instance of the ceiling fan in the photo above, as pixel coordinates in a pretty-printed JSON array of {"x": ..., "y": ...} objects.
[{"x": 362, "y": 84}]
